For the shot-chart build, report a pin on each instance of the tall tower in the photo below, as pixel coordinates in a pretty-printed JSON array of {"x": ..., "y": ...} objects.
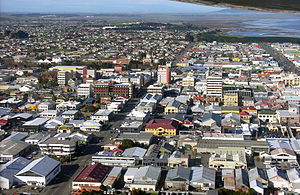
[
  {"x": 163, "y": 75},
  {"x": 214, "y": 83}
]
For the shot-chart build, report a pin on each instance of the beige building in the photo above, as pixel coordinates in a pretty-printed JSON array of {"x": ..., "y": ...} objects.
[
  {"x": 231, "y": 100},
  {"x": 291, "y": 80},
  {"x": 228, "y": 158},
  {"x": 188, "y": 81}
]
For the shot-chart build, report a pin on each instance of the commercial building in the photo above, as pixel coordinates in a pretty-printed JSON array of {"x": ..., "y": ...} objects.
[
  {"x": 163, "y": 75},
  {"x": 214, "y": 83},
  {"x": 40, "y": 172},
  {"x": 163, "y": 127},
  {"x": 91, "y": 177}
]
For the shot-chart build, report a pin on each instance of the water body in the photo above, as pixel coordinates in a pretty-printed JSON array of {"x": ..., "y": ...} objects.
[{"x": 269, "y": 27}]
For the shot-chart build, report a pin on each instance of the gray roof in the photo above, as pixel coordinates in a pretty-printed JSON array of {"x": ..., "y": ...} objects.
[
  {"x": 203, "y": 174},
  {"x": 179, "y": 173},
  {"x": 36, "y": 122},
  {"x": 241, "y": 178},
  {"x": 257, "y": 173},
  {"x": 9, "y": 169},
  {"x": 135, "y": 152},
  {"x": 42, "y": 166},
  {"x": 12, "y": 147},
  {"x": 147, "y": 173}
]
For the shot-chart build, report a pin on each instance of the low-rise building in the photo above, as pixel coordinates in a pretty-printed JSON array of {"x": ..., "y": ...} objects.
[
  {"x": 102, "y": 115},
  {"x": 91, "y": 177},
  {"x": 40, "y": 172},
  {"x": 163, "y": 127}
]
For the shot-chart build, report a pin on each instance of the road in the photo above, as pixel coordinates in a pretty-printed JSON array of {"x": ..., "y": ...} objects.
[{"x": 283, "y": 62}]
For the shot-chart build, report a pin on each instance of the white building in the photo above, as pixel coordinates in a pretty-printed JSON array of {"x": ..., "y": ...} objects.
[
  {"x": 49, "y": 114},
  {"x": 90, "y": 125},
  {"x": 102, "y": 115},
  {"x": 146, "y": 178},
  {"x": 214, "y": 85},
  {"x": 84, "y": 90},
  {"x": 40, "y": 172},
  {"x": 163, "y": 75},
  {"x": 46, "y": 106},
  {"x": 8, "y": 171},
  {"x": 59, "y": 146},
  {"x": 64, "y": 106}
]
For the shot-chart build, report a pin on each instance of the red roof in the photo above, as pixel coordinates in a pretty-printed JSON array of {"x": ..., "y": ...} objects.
[
  {"x": 3, "y": 122},
  {"x": 93, "y": 173},
  {"x": 162, "y": 123},
  {"x": 244, "y": 113},
  {"x": 249, "y": 108}
]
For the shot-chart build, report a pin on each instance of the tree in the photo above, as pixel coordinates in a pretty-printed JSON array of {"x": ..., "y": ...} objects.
[{"x": 127, "y": 143}]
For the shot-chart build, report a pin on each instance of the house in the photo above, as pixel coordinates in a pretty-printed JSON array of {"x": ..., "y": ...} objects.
[
  {"x": 102, "y": 115},
  {"x": 146, "y": 178},
  {"x": 177, "y": 159},
  {"x": 8, "y": 171},
  {"x": 49, "y": 114},
  {"x": 90, "y": 125},
  {"x": 258, "y": 180},
  {"x": 70, "y": 114},
  {"x": 40, "y": 172},
  {"x": 154, "y": 158},
  {"x": 146, "y": 106},
  {"x": 178, "y": 179},
  {"x": 163, "y": 127},
  {"x": 278, "y": 178},
  {"x": 231, "y": 121},
  {"x": 91, "y": 177}
]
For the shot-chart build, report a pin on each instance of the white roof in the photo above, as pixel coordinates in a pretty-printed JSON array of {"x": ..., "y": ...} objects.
[
  {"x": 103, "y": 112},
  {"x": 36, "y": 122},
  {"x": 42, "y": 166},
  {"x": 131, "y": 171},
  {"x": 201, "y": 174},
  {"x": 148, "y": 172},
  {"x": 135, "y": 151}
]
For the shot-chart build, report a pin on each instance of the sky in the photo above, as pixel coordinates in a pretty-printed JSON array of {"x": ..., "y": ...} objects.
[{"x": 101, "y": 6}]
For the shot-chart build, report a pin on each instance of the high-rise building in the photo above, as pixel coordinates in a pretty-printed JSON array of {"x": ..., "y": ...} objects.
[
  {"x": 63, "y": 77},
  {"x": 163, "y": 75},
  {"x": 84, "y": 90},
  {"x": 214, "y": 85}
]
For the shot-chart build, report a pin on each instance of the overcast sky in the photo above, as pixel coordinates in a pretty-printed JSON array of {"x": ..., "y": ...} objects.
[{"x": 101, "y": 6}]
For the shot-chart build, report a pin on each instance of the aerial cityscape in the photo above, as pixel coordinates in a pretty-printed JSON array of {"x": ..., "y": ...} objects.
[{"x": 148, "y": 100}]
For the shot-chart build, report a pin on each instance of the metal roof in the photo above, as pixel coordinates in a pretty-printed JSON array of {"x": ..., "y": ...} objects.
[
  {"x": 42, "y": 166},
  {"x": 135, "y": 152}
]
